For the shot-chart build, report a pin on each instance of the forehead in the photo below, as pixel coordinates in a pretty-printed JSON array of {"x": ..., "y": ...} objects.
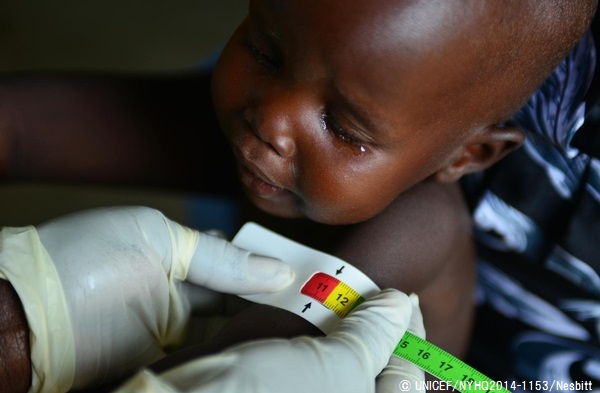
[
  {"x": 379, "y": 51},
  {"x": 407, "y": 21}
]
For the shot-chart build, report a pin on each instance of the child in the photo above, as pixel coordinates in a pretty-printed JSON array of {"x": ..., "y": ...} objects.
[{"x": 363, "y": 116}]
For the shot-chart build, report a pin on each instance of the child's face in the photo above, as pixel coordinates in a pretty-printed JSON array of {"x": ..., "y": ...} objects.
[{"x": 333, "y": 108}]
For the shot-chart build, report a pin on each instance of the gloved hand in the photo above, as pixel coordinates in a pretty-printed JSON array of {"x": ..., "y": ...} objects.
[
  {"x": 103, "y": 294},
  {"x": 400, "y": 375},
  {"x": 347, "y": 360}
]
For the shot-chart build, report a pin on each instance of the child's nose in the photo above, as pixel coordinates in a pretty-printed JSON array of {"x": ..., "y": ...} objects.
[{"x": 273, "y": 119}]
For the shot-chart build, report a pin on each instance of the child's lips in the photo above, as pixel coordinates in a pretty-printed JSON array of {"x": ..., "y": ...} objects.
[
  {"x": 257, "y": 185},
  {"x": 255, "y": 180}
]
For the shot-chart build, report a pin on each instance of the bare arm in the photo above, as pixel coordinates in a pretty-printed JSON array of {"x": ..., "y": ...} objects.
[
  {"x": 112, "y": 129},
  {"x": 421, "y": 243},
  {"x": 15, "y": 365}
]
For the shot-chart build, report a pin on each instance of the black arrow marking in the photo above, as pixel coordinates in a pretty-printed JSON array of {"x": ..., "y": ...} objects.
[
  {"x": 306, "y": 306},
  {"x": 339, "y": 271}
]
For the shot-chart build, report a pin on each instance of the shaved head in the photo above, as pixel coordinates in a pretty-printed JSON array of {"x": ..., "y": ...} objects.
[
  {"x": 521, "y": 42},
  {"x": 334, "y": 110}
]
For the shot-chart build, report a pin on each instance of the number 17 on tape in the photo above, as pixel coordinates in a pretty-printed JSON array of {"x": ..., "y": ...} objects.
[{"x": 342, "y": 299}]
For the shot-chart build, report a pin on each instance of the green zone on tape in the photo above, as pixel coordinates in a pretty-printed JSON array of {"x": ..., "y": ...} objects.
[{"x": 445, "y": 366}]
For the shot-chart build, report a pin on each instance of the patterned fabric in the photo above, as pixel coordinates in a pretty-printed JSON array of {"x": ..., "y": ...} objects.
[{"x": 537, "y": 217}]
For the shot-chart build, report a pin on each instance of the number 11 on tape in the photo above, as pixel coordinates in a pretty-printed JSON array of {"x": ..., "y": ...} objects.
[
  {"x": 332, "y": 293},
  {"x": 342, "y": 299}
]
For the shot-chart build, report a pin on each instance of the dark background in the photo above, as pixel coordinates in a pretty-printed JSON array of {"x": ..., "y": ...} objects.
[{"x": 108, "y": 35}]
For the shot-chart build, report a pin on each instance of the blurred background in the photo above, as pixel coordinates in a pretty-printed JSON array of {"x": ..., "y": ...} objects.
[
  {"x": 112, "y": 35},
  {"x": 148, "y": 35}
]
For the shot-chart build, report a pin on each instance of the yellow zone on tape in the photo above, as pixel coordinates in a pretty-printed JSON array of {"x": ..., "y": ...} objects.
[{"x": 342, "y": 299}]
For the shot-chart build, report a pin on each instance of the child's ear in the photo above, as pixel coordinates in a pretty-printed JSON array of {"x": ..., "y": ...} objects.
[{"x": 480, "y": 151}]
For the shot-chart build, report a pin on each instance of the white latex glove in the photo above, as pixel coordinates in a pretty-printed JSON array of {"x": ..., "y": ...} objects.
[
  {"x": 347, "y": 360},
  {"x": 102, "y": 289},
  {"x": 400, "y": 375}
]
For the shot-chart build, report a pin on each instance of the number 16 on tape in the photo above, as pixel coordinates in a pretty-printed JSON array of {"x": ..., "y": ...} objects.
[{"x": 342, "y": 299}]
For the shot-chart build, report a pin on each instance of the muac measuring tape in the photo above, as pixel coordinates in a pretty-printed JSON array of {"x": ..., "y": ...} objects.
[
  {"x": 326, "y": 289},
  {"x": 342, "y": 299}
]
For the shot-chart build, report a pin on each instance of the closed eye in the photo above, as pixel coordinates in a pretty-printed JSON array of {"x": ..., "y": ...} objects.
[
  {"x": 328, "y": 122},
  {"x": 262, "y": 57}
]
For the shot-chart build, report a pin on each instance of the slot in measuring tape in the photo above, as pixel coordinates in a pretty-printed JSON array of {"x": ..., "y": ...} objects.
[
  {"x": 337, "y": 288},
  {"x": 342, "y": 299},
  {"x": 332, "y": 293}
]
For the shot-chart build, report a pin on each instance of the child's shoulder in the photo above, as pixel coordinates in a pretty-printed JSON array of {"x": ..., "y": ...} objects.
[
  {"x": 422, "y": 243},
  {"x": 417, "y": 235}
]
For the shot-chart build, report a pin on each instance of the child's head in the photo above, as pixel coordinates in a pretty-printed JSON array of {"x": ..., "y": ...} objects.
[{"x": 335, "y": 107}]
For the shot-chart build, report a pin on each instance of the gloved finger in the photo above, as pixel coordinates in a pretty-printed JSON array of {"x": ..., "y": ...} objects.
[
  {"x": 219, "y": 265},
  {"x": 345, "y": 361},
  {"x": 400, "y": 374},
  {"x": 211, "y": 374},
  {"x": 372, "y": 331},
  {"x": 146, "y": 382}
]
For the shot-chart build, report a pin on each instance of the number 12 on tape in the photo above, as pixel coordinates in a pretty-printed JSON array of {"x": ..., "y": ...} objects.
[
  {"x": 342, "y": 299},
  {"x": 338, "y": 288},
  {"x": 332, "y": 293}
]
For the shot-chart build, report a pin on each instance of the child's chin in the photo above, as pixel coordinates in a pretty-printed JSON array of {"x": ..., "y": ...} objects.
[{"x": 277, "y": 209}]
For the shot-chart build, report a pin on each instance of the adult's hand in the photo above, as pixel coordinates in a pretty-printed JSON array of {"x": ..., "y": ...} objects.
[
  {"x": 103, "y": 294},
  {"x": 347, "y": 360}
]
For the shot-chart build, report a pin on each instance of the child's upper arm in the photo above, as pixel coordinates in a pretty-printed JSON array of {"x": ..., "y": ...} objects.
[{"x": 421, "y": 243}]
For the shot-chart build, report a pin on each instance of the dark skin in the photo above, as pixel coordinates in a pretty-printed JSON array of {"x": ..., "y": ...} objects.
[
  {"x": 303, "y": 149},
  {"x": 15, "y": 368},
  {"x": 440, "y": 218},
  {"x": 319, "y": 134}
]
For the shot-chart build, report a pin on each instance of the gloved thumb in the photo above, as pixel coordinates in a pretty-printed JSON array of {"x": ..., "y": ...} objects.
[
  {"x": 219, "y": 265},
  {"x": 400, "y": 374},
  {"x": 374, "y": 329},
  {"x": 347, "y": 360}
]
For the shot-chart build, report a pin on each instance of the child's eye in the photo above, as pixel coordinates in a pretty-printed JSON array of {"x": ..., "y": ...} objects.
[
  {"x": 328, "y": 122},
  {"x": 263, "y": 58}
]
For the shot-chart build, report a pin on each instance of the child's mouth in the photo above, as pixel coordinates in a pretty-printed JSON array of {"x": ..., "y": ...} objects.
[{"x": 257, "y": 185}]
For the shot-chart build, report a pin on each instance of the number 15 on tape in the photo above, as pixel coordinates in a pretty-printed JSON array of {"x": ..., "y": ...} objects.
[
  {"x": 338, "y": 295},
  {"x": 340, "y": 298}
]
